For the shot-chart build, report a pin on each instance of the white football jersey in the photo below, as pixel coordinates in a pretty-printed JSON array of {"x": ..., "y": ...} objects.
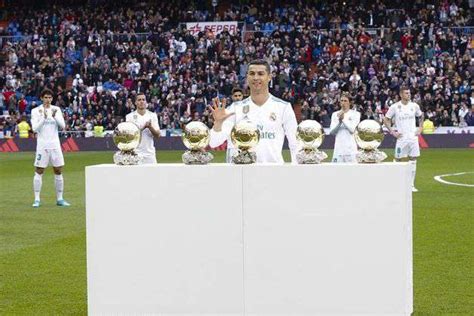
[
  {"x": 404, "y": 117},
  {"x": 147, "y": 145},
  {"x": 274, "y": 119},
  {"x": 47, "y": 128},
  {"x": 345, "y": 142}
]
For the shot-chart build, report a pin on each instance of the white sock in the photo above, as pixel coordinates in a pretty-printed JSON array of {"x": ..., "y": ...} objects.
[
  {"x": 37, "y": 183},
  {"x": 413, "y": 171},
  {"x": 59, "y": 184}
]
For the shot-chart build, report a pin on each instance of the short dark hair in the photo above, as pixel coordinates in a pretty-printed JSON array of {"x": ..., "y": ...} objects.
[
  {"x": 237, "y": 89},
  {"x": 262, "y": 62},
  {"x": 141, "y": 93},
  {"x": 46, "y": 92}
]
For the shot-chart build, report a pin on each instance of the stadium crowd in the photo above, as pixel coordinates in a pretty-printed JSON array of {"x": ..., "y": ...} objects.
[{"x": 97, "y": 58}]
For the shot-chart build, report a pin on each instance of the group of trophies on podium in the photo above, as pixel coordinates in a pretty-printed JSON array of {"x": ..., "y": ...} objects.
[{"x": 245, "y": 136}]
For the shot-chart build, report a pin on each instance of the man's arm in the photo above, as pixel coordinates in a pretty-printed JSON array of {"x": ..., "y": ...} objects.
[
  {"x": 335, "y": 124},
  {"x": 421, "y": 118},
  {"x": 289, "y": 126},
  {"x": 37, "y": 121},
  {"x": 59, "y": 118},
  {"x": 387, "y": 120},
  {"x": 153, "y": 126}
]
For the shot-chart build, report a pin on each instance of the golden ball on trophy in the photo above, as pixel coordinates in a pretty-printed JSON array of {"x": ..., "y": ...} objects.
[
  {"x": 127, "y": 138},
  {"x": 196, "y": 138},
  {"x": 368, "y": 136},
  {"x": 310, "y": 135},
  {"x": 245, "y": 136}
]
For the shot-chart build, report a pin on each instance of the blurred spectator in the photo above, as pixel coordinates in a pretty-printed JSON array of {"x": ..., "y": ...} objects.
[{"x": 23, "y": 128}]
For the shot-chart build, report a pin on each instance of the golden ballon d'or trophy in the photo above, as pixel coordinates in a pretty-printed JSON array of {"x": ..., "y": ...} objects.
[
  {"x": 245, "y": 136},
  {"x": 127, "y": 138},
  {"x": 196, "y": 138},
  {"x": 369, "y": 136},
  {"x": 310, "y": 134}
]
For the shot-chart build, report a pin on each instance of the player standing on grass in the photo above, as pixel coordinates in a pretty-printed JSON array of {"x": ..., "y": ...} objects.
[
  {"x": 343, "y": 125},
  {"x": 147, "y": 122},
  {"x": 403, "y": 113},
  {"x": 46, "y": 121}
]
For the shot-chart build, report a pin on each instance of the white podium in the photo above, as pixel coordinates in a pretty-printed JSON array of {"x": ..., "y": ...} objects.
[{"x": 256, "y": 240}]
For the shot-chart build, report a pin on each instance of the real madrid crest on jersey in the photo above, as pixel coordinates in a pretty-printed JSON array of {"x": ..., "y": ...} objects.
[
  {"x": 273, "y": 117},
  {"x": 135, "y": 117}
]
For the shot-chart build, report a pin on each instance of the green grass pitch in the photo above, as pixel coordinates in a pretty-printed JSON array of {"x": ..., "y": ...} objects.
[{"x": 43, "y": 251}]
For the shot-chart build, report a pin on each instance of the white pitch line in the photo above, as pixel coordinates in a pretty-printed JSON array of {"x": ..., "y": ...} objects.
[{"x": 439, "y": 179}]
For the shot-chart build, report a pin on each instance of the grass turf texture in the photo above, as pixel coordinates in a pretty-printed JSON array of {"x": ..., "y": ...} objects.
[{"x": 43, "y": 251}]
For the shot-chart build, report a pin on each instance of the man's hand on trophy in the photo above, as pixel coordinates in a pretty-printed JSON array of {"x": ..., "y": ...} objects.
[{"x": 218, "y": 110}]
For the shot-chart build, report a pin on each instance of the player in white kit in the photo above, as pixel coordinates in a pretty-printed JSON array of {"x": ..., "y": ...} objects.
[
  {"x": 404, "y": 114},
  {"x": 46, "y": 121},
  {"x": 343, "y": 125},
  {"x": 274, "y": 117},
  {"x": 147, "y": 122}
]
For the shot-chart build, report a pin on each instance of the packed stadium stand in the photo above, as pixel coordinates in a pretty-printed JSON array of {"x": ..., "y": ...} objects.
[{"x": 97, "y": 55}]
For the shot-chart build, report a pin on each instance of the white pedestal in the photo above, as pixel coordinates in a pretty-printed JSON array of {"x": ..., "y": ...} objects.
[{"x": 260, "y": 239}]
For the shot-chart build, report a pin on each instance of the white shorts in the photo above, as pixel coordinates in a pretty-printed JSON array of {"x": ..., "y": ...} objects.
[
  {"x": 407, "y": 148},
  {"x": 147, "y": 159},
  {"x": 344, "y": 158},
  {"x": 46, "y": 157}
]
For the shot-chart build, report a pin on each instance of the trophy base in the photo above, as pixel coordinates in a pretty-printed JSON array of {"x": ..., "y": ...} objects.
[
  {"x": 244, "y": 157},
  {"x": 126, "y": 158},
  {"x": 370, "y": 156},
  {"x": 310, "y": 156},
  {"x": 197, "y": 157}
]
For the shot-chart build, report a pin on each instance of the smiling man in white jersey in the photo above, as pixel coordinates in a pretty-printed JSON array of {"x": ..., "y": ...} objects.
[
  {"x": 404, "y": 114},
  {"x": 273, "y": 117},
  {"x": 46, "y": 121},
  {"x": 343, "y": 125},
  {"x": 147, "y": 122}
]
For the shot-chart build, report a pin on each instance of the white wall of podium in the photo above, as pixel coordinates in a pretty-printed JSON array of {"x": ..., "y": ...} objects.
[{"x": 258, "y": 239}]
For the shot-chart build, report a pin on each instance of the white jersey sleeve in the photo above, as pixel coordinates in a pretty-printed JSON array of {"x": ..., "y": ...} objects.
[
  {"x": 290, "y": 125},
  {"x": 37, "y": 120},
  {"x": 59, "y": 118},
  {"x": 391, "y": 111},
  {"x": 218, "y": 138},
  {"x": 418, "y": 112},
  {"x": 335, "y": 124}
]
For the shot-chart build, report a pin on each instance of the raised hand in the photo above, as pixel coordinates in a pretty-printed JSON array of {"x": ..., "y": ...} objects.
[{"x": 218, "y": 110}]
